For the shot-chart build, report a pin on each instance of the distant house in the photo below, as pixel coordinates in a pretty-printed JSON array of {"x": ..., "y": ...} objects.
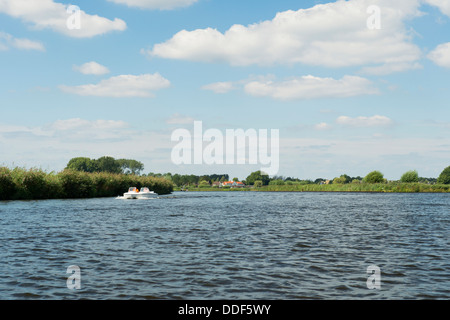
[
  {"x": 227, "y": 184},
  {"x": 239, "y": 184},
  {"x": 232, "y": 184},
  {"x": 216, "y": 184}
]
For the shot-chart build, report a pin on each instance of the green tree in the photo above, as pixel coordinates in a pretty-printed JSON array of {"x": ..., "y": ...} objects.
[
  {"x": 176, "y": 178},
  {"x": 444, "y": 177},
  {"x": 130, "y": 166},
  {"x": 410, "y": 176},
  {"x": 342, "y": 179},
  {"x": 82, "y": 164},
  {"x": 258, "y": 184},
  {"x": 338, "y": 181},
  {"x": 108, "y": 164},
  {"x": 203, "y": 184},
  {"x": 257, "y": 175},
  {"x": 374, "y": 177}
]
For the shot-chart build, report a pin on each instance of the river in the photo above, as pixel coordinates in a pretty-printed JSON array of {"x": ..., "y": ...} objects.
[{"x": 228, "y": 245}]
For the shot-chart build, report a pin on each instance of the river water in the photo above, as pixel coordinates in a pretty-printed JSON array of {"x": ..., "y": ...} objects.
[{"x": 228, "y": 245}]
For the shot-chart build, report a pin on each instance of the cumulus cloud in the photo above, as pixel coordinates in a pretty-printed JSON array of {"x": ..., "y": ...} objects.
[
  {"x": 156, "y": 4},
  {"x": 7, "y": 41},
  {"x": 92, "y": 68},
  {"x": 374, "y": 121},
  {"x": 46, "y": 14},
  {"x": 441, "y": 55},
  {"x": 443, "y": 5},
  {"x": 330, "y": 35},
  {"x": 122, "y": 86},
  {"x": 310, "y": 87}
]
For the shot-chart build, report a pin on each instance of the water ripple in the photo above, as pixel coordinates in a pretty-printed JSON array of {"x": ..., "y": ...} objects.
[{"x": 229, "y": 245}]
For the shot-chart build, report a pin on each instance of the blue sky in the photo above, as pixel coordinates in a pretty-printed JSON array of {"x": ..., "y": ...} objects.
[{"x": 345, "y": 98}]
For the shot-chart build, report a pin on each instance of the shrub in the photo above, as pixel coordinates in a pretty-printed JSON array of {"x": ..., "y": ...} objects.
[
  {"x": 410, "y": 177},
  {"x": 30, "y": 184},
  {"x": 258, "y": 184},
  {"x": 7, "y": 185},
  {"x": 374, "y": 177},
  {"x": 54, "y": 189},
  {"x": 34, "y": 184},
  {"x": 76, "y": 184},
  {"x": 444, "y": 177},
  {"x": 22, "y": 184},
  {"x": 204, "y": 184}
]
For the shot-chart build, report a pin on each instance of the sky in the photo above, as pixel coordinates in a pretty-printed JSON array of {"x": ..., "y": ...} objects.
[{"x": 351, "y": 86}]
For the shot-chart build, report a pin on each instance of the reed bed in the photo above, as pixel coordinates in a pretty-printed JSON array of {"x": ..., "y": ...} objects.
[{"x": 35, "y": 184}]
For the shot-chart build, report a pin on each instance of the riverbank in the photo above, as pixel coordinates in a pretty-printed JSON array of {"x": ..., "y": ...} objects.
[
  {"x": 36, "y": 184},
  {"x": 392, "y": 187}
]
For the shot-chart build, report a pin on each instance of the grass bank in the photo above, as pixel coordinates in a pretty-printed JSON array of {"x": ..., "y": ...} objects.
[
  {"x": 35, "y": 184},
  {"x": 392, "y": 187}
]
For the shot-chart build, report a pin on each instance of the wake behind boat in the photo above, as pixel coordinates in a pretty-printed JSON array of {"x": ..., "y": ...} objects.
[{"x": 134, "y": 193}]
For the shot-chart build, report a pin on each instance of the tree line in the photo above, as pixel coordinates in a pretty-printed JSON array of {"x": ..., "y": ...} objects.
[
  {"x": 375, "y": 176},
  {"x": 258, "y": 178},
  {"x": 191, "y": 179},
  {"x": 106, "y": 164}
]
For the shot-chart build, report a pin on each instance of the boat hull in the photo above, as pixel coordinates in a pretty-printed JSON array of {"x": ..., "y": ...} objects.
[
  {"x": 129, "y": 195},
  {"x": 133, "y": 195}
]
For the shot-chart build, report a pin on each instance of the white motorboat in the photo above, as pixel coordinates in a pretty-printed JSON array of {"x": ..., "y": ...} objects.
[
  {"x": 134, "y": 193},
  {"x": 145, "y": 193}
]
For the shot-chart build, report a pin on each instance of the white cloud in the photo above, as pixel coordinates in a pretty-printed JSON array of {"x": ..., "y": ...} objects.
[
  {"x": 7, "y": 41},
  {"x": 443, "y": 5},
  {"x": 310, "y": 87},
  {"x": 13, "y": 128},
  {"x": 179, "y": 119},
  {"x": 322, "y": 126},
  {"x": 156, "y": 4},
  {"x": 441, "y": 55},
  {"x": 374, "y": 121},
  {"x": 122, "y": 86},
  {"x": 92, "y": 68},
  {"x": 330, "y": 35},
  {"x": 219, "y": 87},
  {"x": 46, "y": 14}
]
